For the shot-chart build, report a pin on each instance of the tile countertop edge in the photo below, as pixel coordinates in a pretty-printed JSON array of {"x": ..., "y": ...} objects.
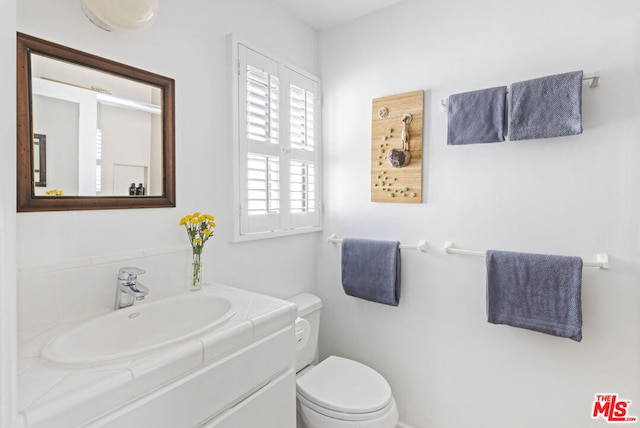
[
  {"x": 52, "y": 410},
  {"x": 280, "y": 311},
  {"x": 258, "y": 316},
  {"x": 265, "y": 313}
]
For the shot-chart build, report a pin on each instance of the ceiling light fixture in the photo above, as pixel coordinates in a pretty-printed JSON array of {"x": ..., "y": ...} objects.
[{"x": 111, "y": 15}]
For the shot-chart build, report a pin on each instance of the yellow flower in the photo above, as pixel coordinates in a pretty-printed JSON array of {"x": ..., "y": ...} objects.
[{"x": 199, "y": 228}]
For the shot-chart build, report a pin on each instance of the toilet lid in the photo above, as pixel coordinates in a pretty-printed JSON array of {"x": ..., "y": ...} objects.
[{"x": 343, "y": 385}]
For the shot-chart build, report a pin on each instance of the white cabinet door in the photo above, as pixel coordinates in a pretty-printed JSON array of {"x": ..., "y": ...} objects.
[
  {"x": 193, "y": 399},
  {"x": 273, "y": 406}
]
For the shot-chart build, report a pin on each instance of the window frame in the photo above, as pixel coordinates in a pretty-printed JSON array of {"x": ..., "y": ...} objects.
[{"x": 289, "y": 223}]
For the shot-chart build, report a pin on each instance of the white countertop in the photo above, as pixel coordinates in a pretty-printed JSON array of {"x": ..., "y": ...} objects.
[{"x": 45, "y": 390}]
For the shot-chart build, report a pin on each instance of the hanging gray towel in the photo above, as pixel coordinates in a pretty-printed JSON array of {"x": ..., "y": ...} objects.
[
  {"x": 371, "y": 270},
  {"x": 477, "y": 117},
  {"x": 535, "y": 291},
  {"x": 546, "y": 107}
]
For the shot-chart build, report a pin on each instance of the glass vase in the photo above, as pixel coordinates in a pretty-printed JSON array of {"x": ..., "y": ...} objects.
[{"x": 196, "y": 271}]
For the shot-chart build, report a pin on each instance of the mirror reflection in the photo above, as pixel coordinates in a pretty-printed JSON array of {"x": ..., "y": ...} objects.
[
  {"x": 40, "y": 160},
  {"x": 103, "y": 132},
  {"x": 92, "y": 133}
]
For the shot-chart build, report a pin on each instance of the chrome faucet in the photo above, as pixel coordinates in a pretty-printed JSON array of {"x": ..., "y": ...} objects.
[{"x": 129, "y": 289}]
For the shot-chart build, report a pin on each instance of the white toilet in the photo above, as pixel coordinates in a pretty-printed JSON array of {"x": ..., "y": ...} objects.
[{"x": 337, "y": 392}]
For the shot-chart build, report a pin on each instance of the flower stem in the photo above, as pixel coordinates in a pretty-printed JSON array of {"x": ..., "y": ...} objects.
[{"x": 197, "y": 269}]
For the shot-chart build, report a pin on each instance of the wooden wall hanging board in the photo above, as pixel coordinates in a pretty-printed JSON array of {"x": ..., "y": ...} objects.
[{"x": 388, "y": 183}]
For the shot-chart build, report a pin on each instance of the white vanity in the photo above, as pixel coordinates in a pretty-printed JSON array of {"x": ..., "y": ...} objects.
[{"x": 239, "y": 372}]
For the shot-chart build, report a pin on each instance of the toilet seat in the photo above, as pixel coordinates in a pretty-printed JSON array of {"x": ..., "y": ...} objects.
[{"x": 344, "y": 389}]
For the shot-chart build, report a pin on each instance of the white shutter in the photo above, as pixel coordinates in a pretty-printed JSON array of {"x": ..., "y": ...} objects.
[
  {"x": 302, "y": 117},
  {"x": 263, "y": 185},
  {"x": 263, "y": 104},
  {"x": 277, "y": 158},
  {"x": 259, "y": 104},
  {"x": 98, "y": 161},
  {"x": 304, "y": 158},
  {"x": 302, "y": 176}
]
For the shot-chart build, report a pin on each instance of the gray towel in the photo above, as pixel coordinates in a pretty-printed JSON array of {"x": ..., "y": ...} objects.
[
  {"x": 546, "y": 107},
  {"x": 534, "y": 291},
  {"x": 371, "y": 270},
  {"x": 477, "y": 117}
]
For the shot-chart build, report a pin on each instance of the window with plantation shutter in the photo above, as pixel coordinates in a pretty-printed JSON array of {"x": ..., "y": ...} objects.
[{"x": 277, "y": 151}]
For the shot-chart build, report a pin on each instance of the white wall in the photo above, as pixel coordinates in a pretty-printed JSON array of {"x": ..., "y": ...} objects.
[
  {"x": 7, "y": 214},
  {"x": 577, "y": 195},
  {"x": 126, "y": 148},
  {"x": 58, "y": 120},
  {"x": 187, "y": 43}
]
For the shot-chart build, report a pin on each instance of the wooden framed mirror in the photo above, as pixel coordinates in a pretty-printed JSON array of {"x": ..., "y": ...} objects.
[{"x": 109, "y": 128}]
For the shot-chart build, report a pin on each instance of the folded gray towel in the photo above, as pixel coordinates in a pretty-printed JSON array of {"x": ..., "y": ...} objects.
[
  {"x": 534, "y": 291},
  {"x": 546, "y": 107},
  {"x": 477, "y": 117},
  {"x": 371, "y": 270}
]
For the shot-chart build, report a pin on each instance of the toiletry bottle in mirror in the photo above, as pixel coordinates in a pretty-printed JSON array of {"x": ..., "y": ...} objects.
[
  {"x": 132, "y": 189},
  {"x": 140, "y": 189}
]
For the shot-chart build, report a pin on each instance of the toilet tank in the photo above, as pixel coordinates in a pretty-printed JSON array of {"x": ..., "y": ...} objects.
[{"x": 309, "y": 307}]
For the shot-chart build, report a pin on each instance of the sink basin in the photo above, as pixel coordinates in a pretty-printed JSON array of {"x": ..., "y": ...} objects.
[{"x": 138, "y": 330}]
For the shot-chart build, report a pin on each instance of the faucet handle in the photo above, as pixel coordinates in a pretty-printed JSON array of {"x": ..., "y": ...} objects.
[{"x": 129, "y": 273}]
